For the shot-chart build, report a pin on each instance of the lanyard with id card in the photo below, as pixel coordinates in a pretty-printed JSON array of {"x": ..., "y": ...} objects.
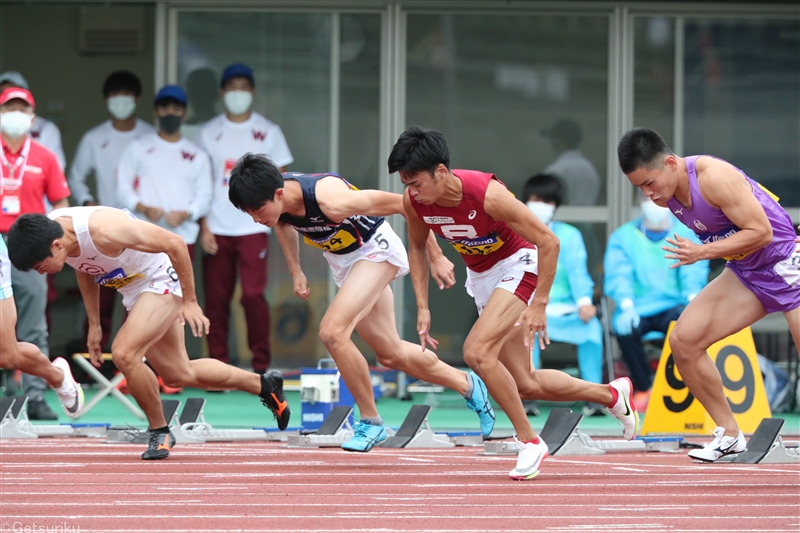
[{"x": 11, "y": 180}]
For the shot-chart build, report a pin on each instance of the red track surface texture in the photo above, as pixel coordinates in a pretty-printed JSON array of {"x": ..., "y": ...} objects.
[{"x": 76, "y": 485}]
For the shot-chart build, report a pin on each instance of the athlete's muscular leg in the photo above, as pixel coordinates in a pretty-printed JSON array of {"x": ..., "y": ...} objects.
[
  {"x": 149, "y": 319},
  {"x": 793, "y": 318},
  {"x": 706, "y": 320},
  {"x": 354, "y": 301},
  {"x": 482, "y": 353},
  {"x": 168, "y": 356},
  {"x": 551, "y": 385},
  {"x": 379, "y": 331},
  {"x": 23, "y": 356}
]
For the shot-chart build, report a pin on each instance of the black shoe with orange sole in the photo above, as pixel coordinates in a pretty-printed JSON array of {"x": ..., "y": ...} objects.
[
  {"x": 159, "y": 446},
  {"x": 273, "y": 398}
]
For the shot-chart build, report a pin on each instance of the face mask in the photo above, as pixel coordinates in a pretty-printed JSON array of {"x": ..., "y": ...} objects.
[
  {"x": 169, "y": 124},
  {"x": 121, "y": 107},
  {"x": 237, "y": 102},
  {"x": 543, "y": 211},
  {"x": 653, "y": 214},
  {"x": 15, "y": 124}
]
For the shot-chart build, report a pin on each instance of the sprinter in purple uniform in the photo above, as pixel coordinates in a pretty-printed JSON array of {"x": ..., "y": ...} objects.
[{"x": 738, "y": 220}]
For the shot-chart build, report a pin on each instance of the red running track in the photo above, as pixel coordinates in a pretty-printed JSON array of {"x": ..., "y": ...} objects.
[{"x": 84, "y": 485}]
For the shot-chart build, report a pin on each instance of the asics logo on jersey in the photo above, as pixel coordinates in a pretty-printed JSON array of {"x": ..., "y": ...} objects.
[
  {"x": 151, "y": 150},
  {"x": 259, "y": 135},
  {"x": 104, "y": 145},
  {"x": 472, "y": 214},
  {"x": 188, "y": 155}
]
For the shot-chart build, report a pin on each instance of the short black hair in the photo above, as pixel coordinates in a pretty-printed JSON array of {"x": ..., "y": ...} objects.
[
  {"x": 253, "y": 182},
  {"x": 641, "y": 147},
  {"x": 544, "y": 186},
  {"x": 419, "y": 150},
  {"x": 122, "y": 80},
  {"x": 30, "y": 238}
]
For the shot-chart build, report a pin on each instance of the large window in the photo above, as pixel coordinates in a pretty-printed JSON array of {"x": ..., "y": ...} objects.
[{"x": 738, "y": 88}]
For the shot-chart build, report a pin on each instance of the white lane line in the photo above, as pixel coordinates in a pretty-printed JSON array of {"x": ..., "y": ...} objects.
[{"x": 425, "y": 516}]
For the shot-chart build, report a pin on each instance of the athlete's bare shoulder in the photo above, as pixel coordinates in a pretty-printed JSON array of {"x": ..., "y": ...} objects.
[
  {"x": 719, "y": 181},
  {"x": 106, "y": 224}
]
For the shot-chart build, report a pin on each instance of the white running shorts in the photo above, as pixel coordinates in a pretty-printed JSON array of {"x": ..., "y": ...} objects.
[
  {"x": 384, "y": 246},
  {"x": 517, "y": 274},
  {"x": 163, "y": 281}
]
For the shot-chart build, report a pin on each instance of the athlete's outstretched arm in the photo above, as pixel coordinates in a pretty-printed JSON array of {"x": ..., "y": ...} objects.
[
  {"x": 290, "y": 244},
  {"x": 418, "y": 260},
  {"x": 500, "y": 204},
  {"x": 114, "y": 230},
  {"x": 90, "y": 292},
  {"x": 338, "y": 201},
  {"x": 724, "y": 187}
]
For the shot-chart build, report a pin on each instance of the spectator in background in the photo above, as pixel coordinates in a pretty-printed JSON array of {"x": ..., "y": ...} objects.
[
  {"x": 29, "y": 172},
  {"x": 42, "y": 130},
  {"x": 229, "y": 236},
  {"x": 164, "y": 178},
  {"x": 648, "y": 293},
  {"x": 580, "y": 177},
  {"x": 570, "y": 311},
  {"x": 99, "y": 152}
]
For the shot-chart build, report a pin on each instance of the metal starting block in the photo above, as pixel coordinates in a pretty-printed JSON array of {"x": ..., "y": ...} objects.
[
  {"x": 412, "y": 434},
  {"x": 563, "y": 438},
  {"x": 766, "y": 446},
  {"x": 130, "y": 434},
  {"x": 191, "y": 428},
  {"x": 14, "y": 423},
  {"x": 334, "y": 431}
]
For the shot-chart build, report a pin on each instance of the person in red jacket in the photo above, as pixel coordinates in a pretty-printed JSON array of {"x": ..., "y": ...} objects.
[{"x": 29, "y": 172}]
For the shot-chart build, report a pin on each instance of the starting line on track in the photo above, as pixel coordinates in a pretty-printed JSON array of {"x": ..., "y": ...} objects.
[{"x": 560, "y": 432}]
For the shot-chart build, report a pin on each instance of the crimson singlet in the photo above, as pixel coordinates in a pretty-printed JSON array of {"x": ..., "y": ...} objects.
[{"x": 482, "y": 241}]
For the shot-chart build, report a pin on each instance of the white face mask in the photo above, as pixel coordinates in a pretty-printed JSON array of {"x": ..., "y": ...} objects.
[
  {"x": 238, "y": 102},
  {"x": 654, "y": 216},
  {"x": 121, "y": 107},
  {"x": 543, "y": 211},
  {"x": 15, "y": 124}
]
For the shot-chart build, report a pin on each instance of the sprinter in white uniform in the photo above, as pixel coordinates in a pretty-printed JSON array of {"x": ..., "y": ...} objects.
[
  {"x": 150, "y": 267},
  {"x": 28, "y": 357}
]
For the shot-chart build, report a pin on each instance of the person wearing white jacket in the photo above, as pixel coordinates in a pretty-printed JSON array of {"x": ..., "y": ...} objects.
[{"x": 164, "y": 178}]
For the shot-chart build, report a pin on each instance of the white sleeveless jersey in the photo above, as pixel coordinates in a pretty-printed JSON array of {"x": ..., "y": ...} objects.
[{"x": 131, "y": 273}]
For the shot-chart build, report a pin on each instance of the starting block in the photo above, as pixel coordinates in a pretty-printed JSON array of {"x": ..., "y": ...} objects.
[
  {"x": 766, "y": 446},
  {"x": 191, "y": 427},
  {"x": 557, "y": 430},
  {"x": 106, "y": 387},
  {"x": 14, "y": 423},
  {"x": 412, "y": 434},
  {"x": 563, "y": 438},
  {"x": 134, "y": 435},
  {"x": 334, "y": 431}
]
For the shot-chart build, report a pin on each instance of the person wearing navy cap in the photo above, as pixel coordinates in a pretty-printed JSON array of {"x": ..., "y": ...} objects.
[
  {"x": 234, "y": 244},
  {"x": 163, "y": 177}
]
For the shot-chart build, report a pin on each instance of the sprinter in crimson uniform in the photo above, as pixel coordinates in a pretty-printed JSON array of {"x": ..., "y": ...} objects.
[{"x": 511, "y": 259}]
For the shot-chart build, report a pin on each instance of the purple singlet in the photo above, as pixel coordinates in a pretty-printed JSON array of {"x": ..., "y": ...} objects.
[{"x": 772, "y": 273}]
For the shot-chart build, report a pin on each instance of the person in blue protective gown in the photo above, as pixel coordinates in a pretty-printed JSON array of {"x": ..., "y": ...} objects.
[{"x": 647, "y": 293}]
